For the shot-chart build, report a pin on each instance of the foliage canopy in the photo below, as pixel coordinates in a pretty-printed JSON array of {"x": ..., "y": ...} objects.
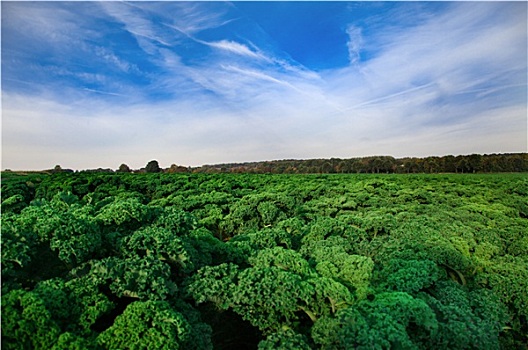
[{"x": 202, "y": 261}]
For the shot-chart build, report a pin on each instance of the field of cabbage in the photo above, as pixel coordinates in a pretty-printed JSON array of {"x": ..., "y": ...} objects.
[{"x": 247, "y": 261}]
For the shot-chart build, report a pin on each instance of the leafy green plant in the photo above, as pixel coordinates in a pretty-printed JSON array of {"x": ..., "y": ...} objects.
[
  {"x": 26, "y": 323},
  {"x": 147, "y": 325},
  {"x": 391, "y": 320},
  {"x": 367, "y": 261}
]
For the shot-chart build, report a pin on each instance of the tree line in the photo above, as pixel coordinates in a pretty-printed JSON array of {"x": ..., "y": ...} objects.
[{"x": 474, "y": 163}]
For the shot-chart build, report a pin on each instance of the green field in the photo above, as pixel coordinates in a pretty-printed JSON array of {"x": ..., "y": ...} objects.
[{"x": 246, "y": 261}]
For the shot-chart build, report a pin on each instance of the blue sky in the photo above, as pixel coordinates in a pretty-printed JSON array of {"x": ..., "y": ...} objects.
[{"x": 97, "y": 84}]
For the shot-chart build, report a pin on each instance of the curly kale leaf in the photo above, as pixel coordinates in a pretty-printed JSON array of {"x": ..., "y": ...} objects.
[
  {"x": 256, "y": 211},
  {"x": 177, "y": 221},
  {"x": 391, "y": 320},
  {"x": 270, "y": 297},
  {"x": 267, "y": 297},
  {"x": 409, "y": 276},
  {"x": 144, "y": 278},
  {"x": 215, "y": 284},
  {"x": 72, "y": 341},
  {"x": 125, "y": 213},
  {"x": 352, "y": 270},
  {"x": 26, "y": 323},
  {"x": 69, "y": 229},
  {"x": 466, "y": 319},
  {"x": 284, "y": 340},
  {"x": 89, "y": 302},
  {"x": 286, "y": 259},
  {"x": 162, "y": 244},
  {"x": 18, "y": 247},
  {"x": 147, "y": 325}
]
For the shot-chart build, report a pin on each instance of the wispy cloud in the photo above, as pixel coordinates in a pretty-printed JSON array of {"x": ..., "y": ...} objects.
[
  {"x": 138, "y": 22},
  {"x": 194, "y": 17},
  {"x": 482, "y": 50},
  {"x": 103, "y": 92},
  {"x": 234, "y": 47},
  {"x": 355, "y": 40}
]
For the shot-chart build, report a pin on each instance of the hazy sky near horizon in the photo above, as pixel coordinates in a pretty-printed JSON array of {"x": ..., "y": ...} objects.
[{"x": 97, "y": 84}]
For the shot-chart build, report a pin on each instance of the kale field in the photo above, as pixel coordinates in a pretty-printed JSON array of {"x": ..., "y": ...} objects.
[{"x": 267, "y": 261}]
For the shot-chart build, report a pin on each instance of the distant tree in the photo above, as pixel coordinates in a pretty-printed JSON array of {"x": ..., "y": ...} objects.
[
  {"x": 519, "y": 163},
  {"x": 431, "y": 164},
  {"x": 388, "y": 164},
  {"x": 152, "y": 167},
  {"x": 461, "y": 164},
  {"x": 177, "y": 169},
  {"x": 123, "y": 168},
  {"x": 449, "y": 164},
  {"x": 474, "y": 162},
  {"x": 57, "y": 169},
  {"x": 326, "y": 168}
]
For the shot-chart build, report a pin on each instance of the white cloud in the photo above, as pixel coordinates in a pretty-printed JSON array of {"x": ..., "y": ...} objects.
[
  {"x": 113, "y": 59},
  {"x": 138, "y": 23},
  {"x": 37, "y": 21},
  {"x": 355, "y": 41},
  {"x": 194, "y": 17},
  {"x": 235, "y": 47},
  {"x": 453, "y": 53}
]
